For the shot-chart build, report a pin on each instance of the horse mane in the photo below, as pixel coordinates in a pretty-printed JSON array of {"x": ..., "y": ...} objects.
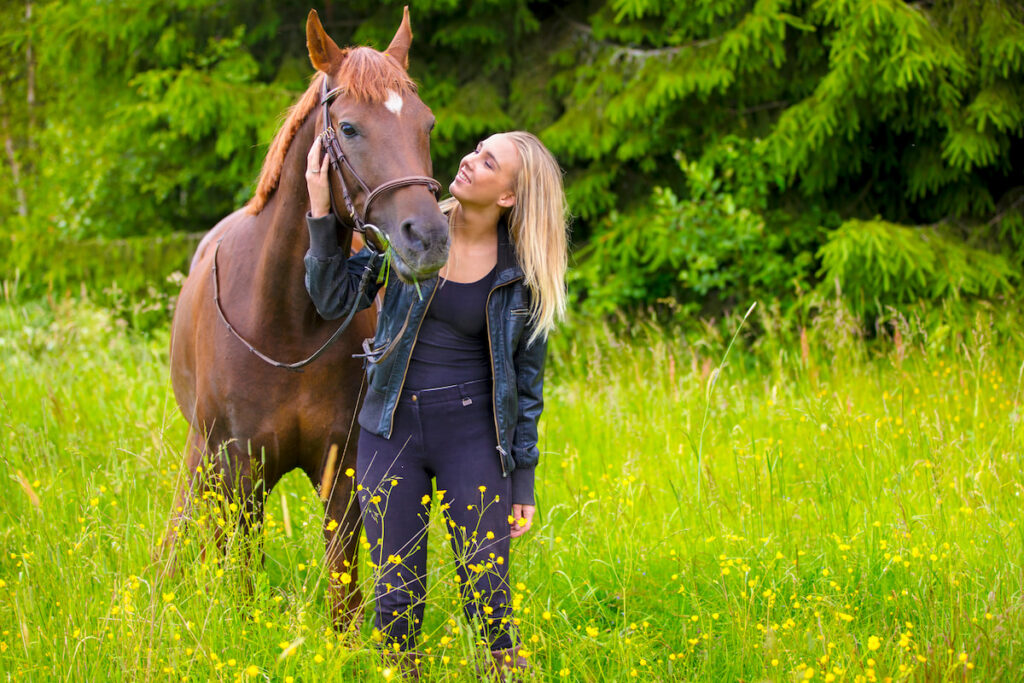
[{"x": 365, "y": 74}]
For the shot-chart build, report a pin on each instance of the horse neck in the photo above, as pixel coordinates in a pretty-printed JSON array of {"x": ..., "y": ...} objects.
[{"x": 281, "y": 272}]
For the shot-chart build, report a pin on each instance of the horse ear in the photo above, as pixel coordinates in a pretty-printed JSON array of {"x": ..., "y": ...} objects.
[
  {"x": 399, "y": 47},
  {"x": 324, "y": 53}
]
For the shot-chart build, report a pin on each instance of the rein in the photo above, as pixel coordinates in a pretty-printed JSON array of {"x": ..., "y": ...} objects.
[{"x": 332, "y": 147}]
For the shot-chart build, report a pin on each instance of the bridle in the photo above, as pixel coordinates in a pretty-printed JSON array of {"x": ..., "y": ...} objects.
[{"x": 332, "y": 146}]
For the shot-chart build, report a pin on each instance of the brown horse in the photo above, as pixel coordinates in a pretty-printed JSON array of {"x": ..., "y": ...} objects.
[{"x": 255, "y": 422}]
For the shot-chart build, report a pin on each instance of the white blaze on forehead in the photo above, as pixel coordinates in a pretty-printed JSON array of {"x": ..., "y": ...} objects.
[{"x": 394, "y": 103}]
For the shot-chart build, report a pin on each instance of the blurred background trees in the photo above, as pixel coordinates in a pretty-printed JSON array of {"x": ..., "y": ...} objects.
[{"x": 716, "y": 151}]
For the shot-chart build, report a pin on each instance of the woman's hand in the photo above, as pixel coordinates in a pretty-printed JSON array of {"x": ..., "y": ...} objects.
[
  {"x": 317, "y": 181},
  {"x": 522, "y": 518}
]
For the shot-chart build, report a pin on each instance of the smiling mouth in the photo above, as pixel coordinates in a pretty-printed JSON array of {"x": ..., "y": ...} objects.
[{"x": 462, "y": 177}]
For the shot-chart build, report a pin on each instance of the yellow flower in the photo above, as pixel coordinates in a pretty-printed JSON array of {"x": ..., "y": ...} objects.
[
  {"x": 168, "y": 597},
  {"x": 252, "y": 671},
  {"x": 592, "y": 632},
  {"x": 425, "y": 500},
  {"x": 332, "y": 525},
  {"x": 346, "y": 578},
  {"x": 350, "y": 472},
  {"x": 482, "y": 488},
  {"x": 845, "y": 617},
  {"x": 874, "y": 643}
]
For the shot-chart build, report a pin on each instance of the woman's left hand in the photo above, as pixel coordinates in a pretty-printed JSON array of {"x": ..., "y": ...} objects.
[{"x": 522, "y": 518}]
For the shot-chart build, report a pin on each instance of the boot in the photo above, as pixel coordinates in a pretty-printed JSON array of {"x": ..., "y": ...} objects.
[
  {"x": 509, "y": 665},
  {"x": 404, "y": 664}
]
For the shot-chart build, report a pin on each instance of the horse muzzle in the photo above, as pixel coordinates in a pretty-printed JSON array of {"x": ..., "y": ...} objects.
[{"x": 419, "y": 247}]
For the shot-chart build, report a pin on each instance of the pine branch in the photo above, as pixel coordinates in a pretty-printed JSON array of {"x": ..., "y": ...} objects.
[
  {"x": 635, "y": 53},
  {"x": 1002, "y": 214},
  {"x": 766, "y": 106}
]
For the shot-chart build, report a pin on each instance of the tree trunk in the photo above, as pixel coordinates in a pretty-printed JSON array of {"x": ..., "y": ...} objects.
[
  {"x": 12, "y": 158},
  {"x": 30, "y": 75}
]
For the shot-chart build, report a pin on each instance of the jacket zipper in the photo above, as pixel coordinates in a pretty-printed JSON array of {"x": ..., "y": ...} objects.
[
  {"x": 494, "y": 380},
  {"x": 415, "y": 338}
]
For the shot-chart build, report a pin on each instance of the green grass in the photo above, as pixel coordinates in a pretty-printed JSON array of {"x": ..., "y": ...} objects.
[{"x": 857, "y": 514}]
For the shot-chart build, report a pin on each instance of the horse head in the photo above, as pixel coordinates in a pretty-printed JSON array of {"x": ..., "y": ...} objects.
[{"x": 382, "y": 130}]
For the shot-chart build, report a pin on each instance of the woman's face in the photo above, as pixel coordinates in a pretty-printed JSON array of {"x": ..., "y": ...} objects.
[{"x": 487, "y": 174}]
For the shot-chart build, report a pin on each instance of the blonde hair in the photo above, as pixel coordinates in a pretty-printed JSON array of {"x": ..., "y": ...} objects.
[{"x": 538, "y": 228}]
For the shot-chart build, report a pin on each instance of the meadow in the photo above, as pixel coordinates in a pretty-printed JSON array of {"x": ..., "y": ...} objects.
[{"x": 818, "y": 507}]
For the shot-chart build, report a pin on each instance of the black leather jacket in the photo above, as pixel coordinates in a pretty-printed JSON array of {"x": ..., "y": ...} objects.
[{"x": 518, "y": 368}]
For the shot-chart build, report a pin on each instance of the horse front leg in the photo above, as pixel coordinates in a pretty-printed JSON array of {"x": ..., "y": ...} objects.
[
  {"x": 189, "y": 484},
  {"x": 220, "y": 501},
  {"x": 341, "y": 528},
  {"x": 239, "y": 492}
]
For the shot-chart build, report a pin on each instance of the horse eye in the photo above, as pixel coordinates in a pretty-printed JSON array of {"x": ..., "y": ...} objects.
[{"x": 347, "y": 129}]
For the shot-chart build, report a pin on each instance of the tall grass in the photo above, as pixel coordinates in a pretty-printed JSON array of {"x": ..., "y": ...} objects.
[{"x": 854, "y": 515}]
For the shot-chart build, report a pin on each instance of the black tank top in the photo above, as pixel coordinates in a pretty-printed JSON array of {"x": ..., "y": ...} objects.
[{"x": 452, "y": 343}]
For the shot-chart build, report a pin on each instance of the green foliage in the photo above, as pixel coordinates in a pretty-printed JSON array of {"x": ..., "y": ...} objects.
[
  {"x": 720, "y": 246},
  {"x": 907, "y": 112},
  {"x": 153, "y": 117},
  {"x": 153, "y": 111},
  {"x": 137, "y": 278},
  {"x": 879, "y": 263}
]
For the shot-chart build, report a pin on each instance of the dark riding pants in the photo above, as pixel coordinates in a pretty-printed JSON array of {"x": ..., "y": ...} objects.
[{"x": 447, "y": 434}]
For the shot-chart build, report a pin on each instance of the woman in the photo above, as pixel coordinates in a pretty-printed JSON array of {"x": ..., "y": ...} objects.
[{"x": 456, "y": 397}]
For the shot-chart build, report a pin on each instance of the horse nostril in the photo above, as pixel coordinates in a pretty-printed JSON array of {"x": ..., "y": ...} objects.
[
  {"x": 424, "y": 234},
  {"x": 413, "y": 235}
]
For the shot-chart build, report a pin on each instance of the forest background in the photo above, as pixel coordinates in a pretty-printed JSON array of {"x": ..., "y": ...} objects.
[{"x": 716, "y": 152}]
